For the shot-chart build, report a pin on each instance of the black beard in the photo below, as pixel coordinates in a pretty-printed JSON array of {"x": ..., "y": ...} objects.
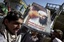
[{"x": 43, "y": 21}]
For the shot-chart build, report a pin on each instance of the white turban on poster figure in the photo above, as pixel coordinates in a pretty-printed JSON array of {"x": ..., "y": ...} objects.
[{"x": 43, "y": 17}]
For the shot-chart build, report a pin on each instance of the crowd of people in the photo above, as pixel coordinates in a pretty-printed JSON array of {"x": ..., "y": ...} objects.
[{"x": 14, "y": 31}]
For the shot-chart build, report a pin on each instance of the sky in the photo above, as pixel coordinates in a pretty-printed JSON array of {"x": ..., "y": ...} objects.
[{"x": 43, "y": 2}]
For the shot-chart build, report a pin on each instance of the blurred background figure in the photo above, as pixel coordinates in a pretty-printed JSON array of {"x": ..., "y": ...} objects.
[{"x": 56, "y": 35}]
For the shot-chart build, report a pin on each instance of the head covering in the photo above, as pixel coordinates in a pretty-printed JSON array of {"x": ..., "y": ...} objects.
[{"x": 42, "y": 12}]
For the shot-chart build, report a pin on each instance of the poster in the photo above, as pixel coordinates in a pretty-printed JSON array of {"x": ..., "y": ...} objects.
[{"x": 37, "y": 18}]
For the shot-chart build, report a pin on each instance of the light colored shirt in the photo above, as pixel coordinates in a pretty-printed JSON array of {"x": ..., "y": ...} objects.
[
  {"x": 57, "y": 40},
  {"x": 2, "y": 38}
]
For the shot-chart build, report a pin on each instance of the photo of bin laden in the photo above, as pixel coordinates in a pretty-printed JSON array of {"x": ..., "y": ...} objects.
[
  {"x": 38, "y": 16},
  {"x": 43, "y": 17}
]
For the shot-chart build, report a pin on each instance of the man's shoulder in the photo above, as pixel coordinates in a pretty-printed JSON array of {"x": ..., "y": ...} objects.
[
  {"x": 2, "y": 39},
  {"x": 2, "y": 32},
  {"x": 1, "y": 35}
]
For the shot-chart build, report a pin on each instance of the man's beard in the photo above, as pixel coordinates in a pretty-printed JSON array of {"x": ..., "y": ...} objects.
[{"x": 43, "y": 21}]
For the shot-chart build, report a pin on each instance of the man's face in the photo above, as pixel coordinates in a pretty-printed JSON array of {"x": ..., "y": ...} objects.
[{"x": 14, "y": 26}]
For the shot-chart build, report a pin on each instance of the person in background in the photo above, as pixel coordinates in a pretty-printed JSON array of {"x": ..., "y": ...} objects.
[{"x": 56, "y": 35}]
